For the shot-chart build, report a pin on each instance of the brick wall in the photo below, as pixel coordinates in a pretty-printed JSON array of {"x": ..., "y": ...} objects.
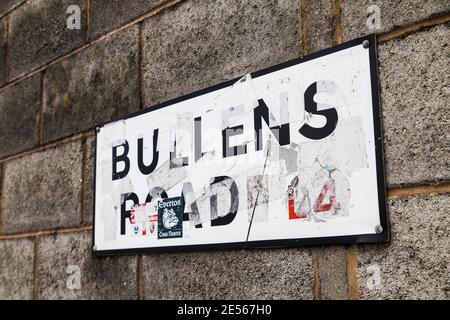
[{"x": 57, "y": 83}]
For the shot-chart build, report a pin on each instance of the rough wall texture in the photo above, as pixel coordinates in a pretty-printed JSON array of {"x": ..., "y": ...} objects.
[
  {"x": 263, "y": 274},
  {"x": 102, "y": 278},
  {"x": 16, "y": 268},
  {"x": 359, "y": 15},
  {"x": 416, "y": 264},
  {"x": 106, "y": 15},
  {"x": 56, "y": 84},
  {"x": 43, "y": 190},
  {"x": 206, "y": 43},
  {"x": 3, "y": 35},
  {"x": 8, "y": 5},
  {"x": 19, "y": 117},
  {"x": 38, "y": 34},
  {"x": 415, "y": 94},
  {"x": 97, "y": 84}
]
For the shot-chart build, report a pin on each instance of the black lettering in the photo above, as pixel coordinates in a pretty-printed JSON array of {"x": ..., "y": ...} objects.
[
  {"x": 177, "y": 162},
  {"x": 190, "y": 211},
  {"x": 281, "y": 132},
  {"x": 142, "y": 167},
  {"x": 228, "y": 151},
  {"x": 198, "y": 138},
  {"x": 154, "y": 193},
  {"x": 217, "y": 220},
  {"x": 311, "y": 107},
  {"x": 124, "y": 213},
  {"x": 118, "y": 158}
]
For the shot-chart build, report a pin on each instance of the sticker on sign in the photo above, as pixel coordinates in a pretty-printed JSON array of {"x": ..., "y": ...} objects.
[{"x": 289, "y": 155}]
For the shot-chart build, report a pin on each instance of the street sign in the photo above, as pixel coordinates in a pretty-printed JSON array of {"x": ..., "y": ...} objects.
[{"x": 289, "y": 155}]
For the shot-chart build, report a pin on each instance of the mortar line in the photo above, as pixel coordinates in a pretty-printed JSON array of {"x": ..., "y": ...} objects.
[
  {"x": 35, "y": 268},
  {"x": 2, "y": 183},
  {"x": 315, "y": 262},
  {"x": 303, "y": 27},
  {"x": 57, "y": 231},
  {"x": 404, "y": 31},
  {"x": 336, "y": 38},
  {"x": 352, "y": 272},
  {"x": 139, "y": 280},
  {"x": 141, "y": 66},
  {"x": 317, "y": 281},
  {"x": 5, "y": 73},
  {"x": 41, "y": 110},
  {"x": 87, "y": 133},
  {"x": 419, "y": 190},
  {"x": 88, "y": 18},
  {"x": 14, "y": 8},
  {"x": 336, "y": 21},
  {"x": 92, "y": 42}
]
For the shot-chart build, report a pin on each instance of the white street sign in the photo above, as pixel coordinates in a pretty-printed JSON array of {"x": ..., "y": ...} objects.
[{"x": 290, "y": 155}]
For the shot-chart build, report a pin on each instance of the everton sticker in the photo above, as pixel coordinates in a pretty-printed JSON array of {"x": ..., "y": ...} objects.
[{"x": 170, "y": 218}]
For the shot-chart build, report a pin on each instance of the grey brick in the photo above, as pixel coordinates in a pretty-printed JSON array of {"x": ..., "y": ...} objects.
[
  {"x": 106, "y": 15},
  {"x": 319, "y": 24},
  {"x": 255, "y": 274},
  {"x": 332, "y": 272},
  {"x": 38, "y": 33},
  {"x": 43, "y": 190},
  {"x": 3, "y": 28},
  {"x": 415, "y": 95},
  {"x": 415, "y": 265},
  {"x": 98, "y": 84},
  {"x": 100, "y": 278},
  {"x": 393, "y": 13},
  {"x": 19, "y": 109},
  {"x": 8, "y": 5},
  {"x": 205, "y": 43},
  {"x": 16, "y": 269},
  {"x": 88, "y": 180}
]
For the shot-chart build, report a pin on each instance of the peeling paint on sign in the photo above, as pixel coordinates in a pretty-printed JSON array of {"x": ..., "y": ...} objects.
[{"x": 286, "y": 154}]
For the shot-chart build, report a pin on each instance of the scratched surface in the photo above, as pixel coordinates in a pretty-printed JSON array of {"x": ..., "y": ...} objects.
[{"x": 286, "y": 155}]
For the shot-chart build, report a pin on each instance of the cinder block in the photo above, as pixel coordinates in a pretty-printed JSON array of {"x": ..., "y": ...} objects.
[
  {"x": 88, "y": 180},
  {"x": 67, "y": 270},
  {"x": 415, "y": 265},
  {"x": 2, "y": 51},
  {"x": 205, "y": 43},
  {"x": 43, "y": 190},
  {"x": 16, "y": 269},
  {"x": 252, "y": 274},
  {"x": 105, "y": 15},
  {"x": 415, "y": 95},
  {"x": 8, "y": 5},
  {"x": 98, "y": 84},
  {"x": 38, "y": 33},
  {"x": 19, "y": 109},
  {"x": 358, "y": 21}
]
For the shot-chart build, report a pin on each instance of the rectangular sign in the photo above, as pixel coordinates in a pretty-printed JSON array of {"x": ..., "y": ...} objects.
[{"x": 290, "y": 155}]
